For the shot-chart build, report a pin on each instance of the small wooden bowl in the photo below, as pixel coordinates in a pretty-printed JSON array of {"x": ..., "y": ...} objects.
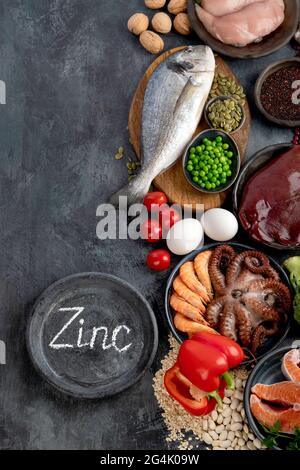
[
  {"x": 223, "y": 98},
  {"x": 268, "y": 45},
  {"x": 260, "y": 81}
]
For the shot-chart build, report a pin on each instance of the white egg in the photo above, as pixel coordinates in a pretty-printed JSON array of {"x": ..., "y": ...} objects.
[
  {"x": 219, "y": 225},
  {"x": 185, "y": 236}
]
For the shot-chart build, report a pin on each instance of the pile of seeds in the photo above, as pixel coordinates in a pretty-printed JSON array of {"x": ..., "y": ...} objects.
[
  {"x": 225, "y": 114},
  {"x": 223, "y": 429},
  {"x": 226, "y": 86},
  {"x": 132, "y": 165}
]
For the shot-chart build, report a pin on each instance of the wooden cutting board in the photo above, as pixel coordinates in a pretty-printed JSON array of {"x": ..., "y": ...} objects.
[{"x": 172, "y": 182}]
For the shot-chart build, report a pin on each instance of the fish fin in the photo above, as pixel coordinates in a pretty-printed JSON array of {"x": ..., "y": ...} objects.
[{"x": 135, "y": 191}]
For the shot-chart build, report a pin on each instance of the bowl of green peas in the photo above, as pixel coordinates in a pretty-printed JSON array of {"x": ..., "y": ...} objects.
[{"x": 212, "y": 161}]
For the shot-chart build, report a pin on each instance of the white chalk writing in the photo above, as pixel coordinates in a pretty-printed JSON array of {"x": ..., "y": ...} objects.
[{"x": 106, "y": 344}]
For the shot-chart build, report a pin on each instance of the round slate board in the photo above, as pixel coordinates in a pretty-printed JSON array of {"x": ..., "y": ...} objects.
[{"x": 92, "y": 335}]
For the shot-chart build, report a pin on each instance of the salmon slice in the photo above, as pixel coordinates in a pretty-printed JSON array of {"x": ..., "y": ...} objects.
[
  {"x": 291, "y": 365},
  {"x": 286, "y": 393},
  {"x": 268, "y": 415}
]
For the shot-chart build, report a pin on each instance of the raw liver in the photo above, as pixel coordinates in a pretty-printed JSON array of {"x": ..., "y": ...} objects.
[{"x": 270, "y": 208}]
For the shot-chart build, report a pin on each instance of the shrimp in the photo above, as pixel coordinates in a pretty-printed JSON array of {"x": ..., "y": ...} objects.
[
  {"x": 187, "y": 294},
  {"x": 189, "y": 311},
  {"x": 188, "y": 276},
  {"x": 185, "y": 325},
  {"x": 201, "y": 267}
]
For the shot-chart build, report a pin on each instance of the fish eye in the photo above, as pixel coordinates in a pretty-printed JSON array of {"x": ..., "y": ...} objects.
[{"x": 189, "y": 50}]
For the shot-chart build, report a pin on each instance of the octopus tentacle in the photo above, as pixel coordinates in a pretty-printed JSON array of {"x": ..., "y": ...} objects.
[
  {"x": 228, "y": 321},
  {"x": 265, "y": 288},
  {"x": 260, "y": 334},
  {"x": 218, "y": 264},
  {"x": 214, "y": 310},
  {"x": 244, "y": 324}
]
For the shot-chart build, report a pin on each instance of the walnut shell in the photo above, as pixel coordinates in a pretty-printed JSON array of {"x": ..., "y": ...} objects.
[
  {"x": 138, "y": 23},
  {"x": 152, "y": 42},
  {"x": 177, "y": 6},
  {"x": 155, "y": 4},
  {"x": 162, "y": 23},
  {"x": 182, "y": 24}
]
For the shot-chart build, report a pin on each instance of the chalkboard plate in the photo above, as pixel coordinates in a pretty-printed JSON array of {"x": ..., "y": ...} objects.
[{"x": 92, "y": 335}]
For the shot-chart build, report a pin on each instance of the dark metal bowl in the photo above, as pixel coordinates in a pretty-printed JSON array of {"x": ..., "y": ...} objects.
[
  {"x": 255, "y": 163},
  {"x": 260, "y": 81},
  {"x": 212, "y": 134},
  {"x": 271, "y": 343},
  {"x": 267, "y": 371},
  {"x": 268, "y": 45}
]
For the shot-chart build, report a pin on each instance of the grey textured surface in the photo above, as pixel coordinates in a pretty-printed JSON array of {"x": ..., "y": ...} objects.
[{"x": 71, "y": 68}]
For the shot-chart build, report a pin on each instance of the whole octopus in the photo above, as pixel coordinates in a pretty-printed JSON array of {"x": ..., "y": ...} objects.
[{"x": 250, "y": 301}]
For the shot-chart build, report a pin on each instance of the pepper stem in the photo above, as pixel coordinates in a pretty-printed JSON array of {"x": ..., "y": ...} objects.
[
  {"x": 229, "y": 380},
  {"x": 217, "y": 397}
]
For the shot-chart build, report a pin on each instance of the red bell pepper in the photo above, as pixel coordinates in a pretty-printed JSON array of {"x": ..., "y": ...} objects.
[
  {"x": 234, "y": 353},
  {"x": 179, "y": 387}
]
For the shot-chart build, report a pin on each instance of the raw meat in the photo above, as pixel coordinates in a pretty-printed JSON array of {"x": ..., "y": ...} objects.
[
  {"x": 277, "y": 402},
  {"x": 246, "y": 26},
  {"x": 270, "y": 206},
  {"x": 291, "y": 365},
  {"x": 224, "y": 7}
]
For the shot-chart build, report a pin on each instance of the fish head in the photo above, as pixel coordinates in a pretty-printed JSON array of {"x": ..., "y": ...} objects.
[{"x": 193, "y": 60}]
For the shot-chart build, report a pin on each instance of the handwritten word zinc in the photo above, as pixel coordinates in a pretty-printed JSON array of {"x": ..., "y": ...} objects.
[{"x": 106, "y": 343}]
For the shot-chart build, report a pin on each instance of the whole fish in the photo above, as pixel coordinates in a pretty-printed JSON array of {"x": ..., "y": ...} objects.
[{"x": 173, "y": 105}]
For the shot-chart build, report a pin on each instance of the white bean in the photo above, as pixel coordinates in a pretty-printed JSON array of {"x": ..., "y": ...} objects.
[
  {"x": 234, "y": 442},
  {"x": 226, "y": 400},
  {"x": 238, "y": 383},
  {"x": 211, "y": 425},
  {"x": 226, "y": 420},
  {"x": 226, "y": 412},
  {"x": 241, "y": 442},
  {"x": 238, "y": 395},
  {"x": 236, "y": 427},
  {"x": 229, "y": 393},
  {"x": 234, "y": 404},
  {"x": 257, "y": 443},
  {"x": 220, "y": 428},
  {"x": 205, "y": 425},
  {"x": 225, "y": 444},
  {"x": 250, "y": 445},
  {"x": 207, "y": 438},
  {"x": 240, "y": 407},
  {"x": 220, "y": 419},
  {"x": 214, "y": 435},
  {"x": 236, "y": 417},
  {"x": 223, "y": 436}
]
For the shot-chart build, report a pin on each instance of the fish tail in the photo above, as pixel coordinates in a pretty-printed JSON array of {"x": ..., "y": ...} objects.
[{"x": 135, "y": 191}]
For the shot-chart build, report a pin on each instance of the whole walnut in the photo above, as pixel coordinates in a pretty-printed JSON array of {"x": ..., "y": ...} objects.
[
  {"x": 138, "y": 23},
  {"x": 177, "y": 6},
  {"x": 152, "y": 42},
  {"x": 182, "y": 24},
  {"x": 155, "y": 4},
  {"x": 162, "y": 23}
]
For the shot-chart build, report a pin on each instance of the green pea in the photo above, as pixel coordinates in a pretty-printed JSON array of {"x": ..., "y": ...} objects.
[
  {"x": 195, "y": 179},
  {"x": 213, "y": 186},
  {"x": 214, "y": 179},
  {"x": 208, "y": 186},
  {"x": 189, "y": 168},
  {"x": 222, "y": 160},
  {"x": 223, "y": 180},
  {"x": 219, "y": 139},
  {"x": 218, "y": 182},
  {"x": 204, "y": 178},
  {"x": 192, "y": 150},
  {"x": 229, "y": 173},
  {"x": 226, "y": 167},
  {"x": 229, "y": 154},
  {"x": 199, "y": 149},
  {"x": 225, "y": 146}
]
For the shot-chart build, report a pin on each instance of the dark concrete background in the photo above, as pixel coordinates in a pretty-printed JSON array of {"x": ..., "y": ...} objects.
[{"x": 71, "y": 68}]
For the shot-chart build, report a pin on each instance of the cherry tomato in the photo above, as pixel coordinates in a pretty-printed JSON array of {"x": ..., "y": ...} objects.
[
  {"x": 156, "y": 198},
  {"x": 159, "y": 260},
  {"x": 151, "y": 231},
  {"x": 168, "y": 216}
]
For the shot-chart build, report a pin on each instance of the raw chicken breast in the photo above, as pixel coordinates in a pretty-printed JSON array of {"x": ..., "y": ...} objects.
[
  {"x": 224, "y": 7},
  {"x": 246, "y": 26}
]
